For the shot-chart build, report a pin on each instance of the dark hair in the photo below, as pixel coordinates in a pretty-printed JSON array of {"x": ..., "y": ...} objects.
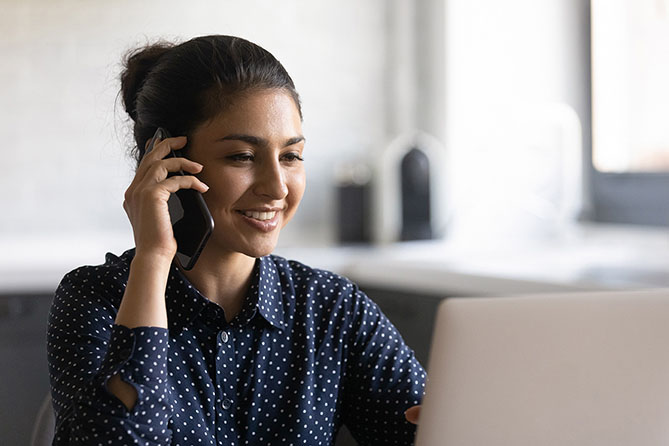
[{"x": 179, "y": 86}]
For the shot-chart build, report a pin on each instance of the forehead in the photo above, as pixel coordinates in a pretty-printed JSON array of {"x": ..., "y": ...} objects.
[{"x": 262, "y": 112}]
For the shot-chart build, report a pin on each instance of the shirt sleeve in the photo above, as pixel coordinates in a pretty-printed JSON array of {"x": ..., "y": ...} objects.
[
  {"x": 383, "y": 380},
  {"x": 84, "y": 350}
]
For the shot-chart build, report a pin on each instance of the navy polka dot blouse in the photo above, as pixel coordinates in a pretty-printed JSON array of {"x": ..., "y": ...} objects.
[{"x": 307, "y": 353}]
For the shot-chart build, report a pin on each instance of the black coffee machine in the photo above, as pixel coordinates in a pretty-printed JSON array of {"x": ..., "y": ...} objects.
[{"x": 415, "y": 193}]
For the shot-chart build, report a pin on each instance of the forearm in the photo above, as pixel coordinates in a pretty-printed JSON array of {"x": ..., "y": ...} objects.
[
  {"x": 383, "y": 380},
  {"x": 87, "y": 410},
  {"x": 143, "y": 305}
]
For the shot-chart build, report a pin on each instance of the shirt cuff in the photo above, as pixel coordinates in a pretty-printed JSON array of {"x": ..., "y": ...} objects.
[{"x": 139, "y": 356}]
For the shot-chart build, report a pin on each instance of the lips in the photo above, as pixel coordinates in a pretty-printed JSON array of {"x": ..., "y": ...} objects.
[
  {"x": 263, "y": 215},
  {"x": 264, "y": 220},
  {"x": 260, "y": 215}
]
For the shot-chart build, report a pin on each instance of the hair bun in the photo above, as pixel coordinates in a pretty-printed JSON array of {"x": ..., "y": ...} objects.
[{"x": 137, "y": 65}]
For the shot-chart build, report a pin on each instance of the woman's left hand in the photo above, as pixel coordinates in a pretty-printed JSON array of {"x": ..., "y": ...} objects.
[{"x": 412, "y": 414}]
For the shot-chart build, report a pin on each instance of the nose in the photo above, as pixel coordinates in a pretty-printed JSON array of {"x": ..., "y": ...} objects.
[{"x": 271, "y": 181}]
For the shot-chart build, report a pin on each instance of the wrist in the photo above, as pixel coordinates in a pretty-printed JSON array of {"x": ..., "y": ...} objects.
[
  {"x": 143, "y": 303},
  {"x": 152, "y": 259}
]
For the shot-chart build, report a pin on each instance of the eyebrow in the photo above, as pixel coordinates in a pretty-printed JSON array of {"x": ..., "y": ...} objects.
[{"x": 257, "y": 141}]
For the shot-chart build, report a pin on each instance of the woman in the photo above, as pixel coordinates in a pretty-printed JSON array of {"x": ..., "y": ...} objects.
[{"x": 246, "y": 347}]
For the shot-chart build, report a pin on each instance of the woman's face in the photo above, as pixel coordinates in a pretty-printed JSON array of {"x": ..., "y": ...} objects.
[{"x": 252, "y": 158}]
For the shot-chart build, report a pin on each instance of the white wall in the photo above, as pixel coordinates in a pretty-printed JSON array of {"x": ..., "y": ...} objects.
[
  {"x": 65, "y": 167},
  {"x": 64, "y": 147}
]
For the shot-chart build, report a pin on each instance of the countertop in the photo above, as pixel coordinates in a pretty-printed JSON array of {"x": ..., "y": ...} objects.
[{"x": 589, "y": 257}]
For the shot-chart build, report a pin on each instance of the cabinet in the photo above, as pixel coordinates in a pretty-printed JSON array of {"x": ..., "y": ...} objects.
[{"x": 23, "y": 365}]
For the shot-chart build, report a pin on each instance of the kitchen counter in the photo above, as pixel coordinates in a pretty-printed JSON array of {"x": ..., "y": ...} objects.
[{"x": 590, "y": 257}]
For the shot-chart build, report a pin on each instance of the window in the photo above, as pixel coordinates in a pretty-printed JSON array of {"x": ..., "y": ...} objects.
[{"x": 630, "y": 111}]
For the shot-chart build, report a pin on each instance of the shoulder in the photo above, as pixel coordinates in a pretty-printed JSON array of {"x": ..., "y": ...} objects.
[
  {"x": 318, "y": 290},
  {"x": 94, "y": 282},
  {"x": 305, "y": 276}
]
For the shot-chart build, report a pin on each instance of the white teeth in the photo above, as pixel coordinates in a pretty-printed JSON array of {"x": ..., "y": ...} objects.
[{"x": 260, "y": 215}]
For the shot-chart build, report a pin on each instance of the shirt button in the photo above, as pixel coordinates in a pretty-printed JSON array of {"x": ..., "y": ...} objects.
[
  {"x": 224, "y": 337},
  {"x": 226, "y": 404}
]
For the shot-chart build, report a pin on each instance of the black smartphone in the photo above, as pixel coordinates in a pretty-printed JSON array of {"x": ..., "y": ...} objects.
[{"x": 192, "y": 222}]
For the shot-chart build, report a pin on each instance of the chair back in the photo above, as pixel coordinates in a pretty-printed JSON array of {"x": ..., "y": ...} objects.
[{"x": 45, "y": 425}]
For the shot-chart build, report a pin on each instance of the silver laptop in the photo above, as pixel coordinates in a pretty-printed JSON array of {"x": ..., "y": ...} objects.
[{"x": 561, "y": 369}]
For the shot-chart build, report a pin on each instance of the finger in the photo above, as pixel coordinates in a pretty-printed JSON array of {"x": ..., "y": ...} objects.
[
  {"x": 189, "y": 166},
  {"x": 160, "y": 169},
  {"x": 160, "y": 151},
  {"x": 412, "y": 414},
  {"x": 158, "y": 180},
  {"x": 179, "y": 182},
  {"x": 163, "y": 147}
]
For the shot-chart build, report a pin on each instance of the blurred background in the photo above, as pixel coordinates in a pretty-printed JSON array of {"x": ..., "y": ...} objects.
[{"x": 454, "y": 148}]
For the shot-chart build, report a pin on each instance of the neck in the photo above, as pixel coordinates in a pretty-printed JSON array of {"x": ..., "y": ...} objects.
[{"x": 223, "y": 280}]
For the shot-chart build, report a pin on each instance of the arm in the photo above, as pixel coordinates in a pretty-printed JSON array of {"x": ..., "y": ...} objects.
[
  {"x": 145, "y": 203},
  {"x": 384, "y": 379},
  {"x": 108, "y": 368},
  {"x": 143, "y": 304},
  {"x": 85, "y": 349}
]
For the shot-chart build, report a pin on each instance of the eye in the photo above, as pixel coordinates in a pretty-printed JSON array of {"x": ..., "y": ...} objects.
[
  {"x": 241, "y": 157},
  {"x": 291, "y": 157}
]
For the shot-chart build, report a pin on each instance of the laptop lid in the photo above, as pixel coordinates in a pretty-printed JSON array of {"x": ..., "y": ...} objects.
[{"x": 587, "y": 368}]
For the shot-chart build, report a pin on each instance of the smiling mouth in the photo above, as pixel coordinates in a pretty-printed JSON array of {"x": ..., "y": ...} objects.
[{"x": 262, "y": 216}]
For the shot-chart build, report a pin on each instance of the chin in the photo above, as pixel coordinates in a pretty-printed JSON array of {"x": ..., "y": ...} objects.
[
  {"x": 259, "y": 249},
  {"x": 258, "y": 254}
]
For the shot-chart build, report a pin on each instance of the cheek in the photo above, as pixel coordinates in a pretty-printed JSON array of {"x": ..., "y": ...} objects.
[
  {"x": 298, "y": 183},
  {"x": 224, "y": 189}
]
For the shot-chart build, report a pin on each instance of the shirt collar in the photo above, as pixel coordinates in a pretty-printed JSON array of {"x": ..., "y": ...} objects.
[
  {"x": 184, "y": 302},
  {"x": 267, "y": 287}
]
